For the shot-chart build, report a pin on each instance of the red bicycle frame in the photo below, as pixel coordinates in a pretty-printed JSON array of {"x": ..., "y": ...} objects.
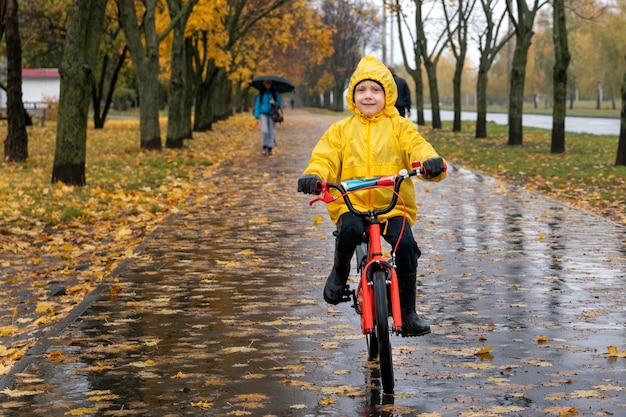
[{"x": 375, "y": 260}]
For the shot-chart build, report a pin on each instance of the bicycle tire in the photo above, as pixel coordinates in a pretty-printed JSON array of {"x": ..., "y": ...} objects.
[
  {"x": 372, "y": 346},
  {"x": 370, "y": 338},
  {"x": 382, "y": 332}
]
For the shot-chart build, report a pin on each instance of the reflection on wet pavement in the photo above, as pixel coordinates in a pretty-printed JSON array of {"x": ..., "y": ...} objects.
[{"x": 221, "y": 314}]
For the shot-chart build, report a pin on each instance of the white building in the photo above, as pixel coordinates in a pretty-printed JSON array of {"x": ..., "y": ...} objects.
[{"x": 39, "y": 85}]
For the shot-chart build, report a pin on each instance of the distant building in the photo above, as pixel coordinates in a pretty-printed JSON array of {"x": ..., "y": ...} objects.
[{"x": 38, "y": 85}]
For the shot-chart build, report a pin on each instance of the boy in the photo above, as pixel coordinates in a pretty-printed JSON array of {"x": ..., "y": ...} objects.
[{"x": 374, "y": 141}]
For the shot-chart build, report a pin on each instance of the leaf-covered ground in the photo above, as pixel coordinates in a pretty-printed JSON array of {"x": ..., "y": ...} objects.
[
  {"x": 57, "y": 243},
  {"x": 219, "y": 312}
]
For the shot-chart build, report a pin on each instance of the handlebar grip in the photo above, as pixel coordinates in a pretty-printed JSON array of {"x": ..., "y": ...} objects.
[
  {"x": 417, "y": 165},
  {"x": 318, "y": 187}
]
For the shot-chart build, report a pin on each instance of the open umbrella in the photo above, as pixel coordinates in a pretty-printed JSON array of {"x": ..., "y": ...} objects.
[{"x": 281, "y": 84}]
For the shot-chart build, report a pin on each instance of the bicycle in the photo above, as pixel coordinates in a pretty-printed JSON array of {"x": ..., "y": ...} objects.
[{"x": 377, "y": 294}]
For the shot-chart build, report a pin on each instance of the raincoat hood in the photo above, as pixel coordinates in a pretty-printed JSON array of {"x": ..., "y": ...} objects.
[{"x": 370, "y": 68}]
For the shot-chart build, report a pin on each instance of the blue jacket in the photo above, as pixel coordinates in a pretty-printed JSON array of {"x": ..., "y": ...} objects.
[{"x": 262, "y": 103}]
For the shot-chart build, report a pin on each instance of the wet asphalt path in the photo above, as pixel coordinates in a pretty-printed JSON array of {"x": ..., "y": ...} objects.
[{"x": 221, "y": 313}]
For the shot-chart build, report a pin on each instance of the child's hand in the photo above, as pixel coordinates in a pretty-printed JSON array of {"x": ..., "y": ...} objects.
[
  {"x": 433, "y": 167},
  {"x": 307, "y": 184}
]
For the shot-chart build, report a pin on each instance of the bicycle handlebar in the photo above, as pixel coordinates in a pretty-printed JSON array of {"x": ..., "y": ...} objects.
[{"x": 349, "y": 186}]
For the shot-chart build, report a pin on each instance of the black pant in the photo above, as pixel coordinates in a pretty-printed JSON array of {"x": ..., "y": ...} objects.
[
  {"x": 350, "y": 233},
  {"x": 402, "y": 110}
]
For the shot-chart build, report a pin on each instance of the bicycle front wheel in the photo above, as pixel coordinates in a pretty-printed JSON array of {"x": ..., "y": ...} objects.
[
  {"x": 382, "y": 332},
  {"x": 372, "y": 346}
]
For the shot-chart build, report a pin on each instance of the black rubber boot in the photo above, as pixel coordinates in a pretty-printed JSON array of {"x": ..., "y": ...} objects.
[
  {"x": 336, "y": 281},
  {"x": 412, "y": 324}
]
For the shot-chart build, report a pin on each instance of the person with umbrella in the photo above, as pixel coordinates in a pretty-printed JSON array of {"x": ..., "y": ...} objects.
[{"x": 268, "y": 99}]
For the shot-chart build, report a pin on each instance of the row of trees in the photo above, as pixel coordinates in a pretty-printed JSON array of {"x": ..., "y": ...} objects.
[
  {"x": 201, "y": 55},
  {"x": 504, "y": 29}
]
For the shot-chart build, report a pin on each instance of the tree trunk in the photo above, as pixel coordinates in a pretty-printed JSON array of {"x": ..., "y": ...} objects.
[
  {"x": 457, "y": 28},
  {"x": 177, "y": 126},
  {"x": 524, "y": 33},
  {"x": 203, "y": 119},
  {"x": 559, "y": 76},
  {"x": 221, "y": 97},
  {"x": 572, "y": 91},
  {"x": 456, "y": 86},
  {"x": 205, "y": 90},
  {"x": 191, "y": 85},
  {"x": 337, "y": 98},
  {"x": 621, "y": 146},
  {"x": 16, "y": 142},
  {"x": 96, "y": 94},
  {"x": 433, "y": 89},
  {"x": 99, "y": 117},
  {"x": 516, "y": 97},
  {"x": 489, "y": 44},
  {"x": 327, "y": 101},
  {"x": 419, "y": 94},
  {"x": 416, "y": 74},
  {"x": 430, "y": 62},
  {"x": 79, "y": 59},
  {"x": 613, "y": 102},
  {"x": 145, "y": 57},
  {"x": 481, "y": 101},
  {"x": 3, "y": 17},
  {"x": 516, "y": 90}
]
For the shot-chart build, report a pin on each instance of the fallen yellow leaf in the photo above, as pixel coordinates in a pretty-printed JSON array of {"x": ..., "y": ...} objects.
[
  {"x": 81, "y": 411},
  {"x": 614, "y": 353},
  {"x": 44, "y": 307},
  {"x": 561, "y": 411},
  {"x": 18, "y": 393},
  {"x": 202, "y": 404},
  {"x": 484, "y": 351},
  {"x": 8, "y": 330},
  {"x": 145, "y": 364}
]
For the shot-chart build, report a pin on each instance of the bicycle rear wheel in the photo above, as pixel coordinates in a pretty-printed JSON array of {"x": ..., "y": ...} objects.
[{"x": 382, "y": 332}]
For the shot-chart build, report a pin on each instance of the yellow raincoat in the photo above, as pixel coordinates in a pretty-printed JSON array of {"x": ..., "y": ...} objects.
[{"x": 363, "y": 147}]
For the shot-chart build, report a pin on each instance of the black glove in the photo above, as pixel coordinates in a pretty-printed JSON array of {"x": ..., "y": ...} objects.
[
  {"x": 307, "y": 184},
  {"x": 433, "y": 167}
]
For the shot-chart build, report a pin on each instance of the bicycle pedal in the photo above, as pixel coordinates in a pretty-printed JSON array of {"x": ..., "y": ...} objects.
[{"x": 346, "y": 297}]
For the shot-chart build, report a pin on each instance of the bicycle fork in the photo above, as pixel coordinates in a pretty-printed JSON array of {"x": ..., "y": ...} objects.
[{"x": 377, "y": 262}]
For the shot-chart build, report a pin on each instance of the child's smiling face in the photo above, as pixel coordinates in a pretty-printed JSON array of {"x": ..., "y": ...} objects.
[{"x": 369, "y": 97}]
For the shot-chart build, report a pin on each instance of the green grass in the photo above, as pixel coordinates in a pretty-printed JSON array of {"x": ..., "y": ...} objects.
[{"x": 585, "y": 175}]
